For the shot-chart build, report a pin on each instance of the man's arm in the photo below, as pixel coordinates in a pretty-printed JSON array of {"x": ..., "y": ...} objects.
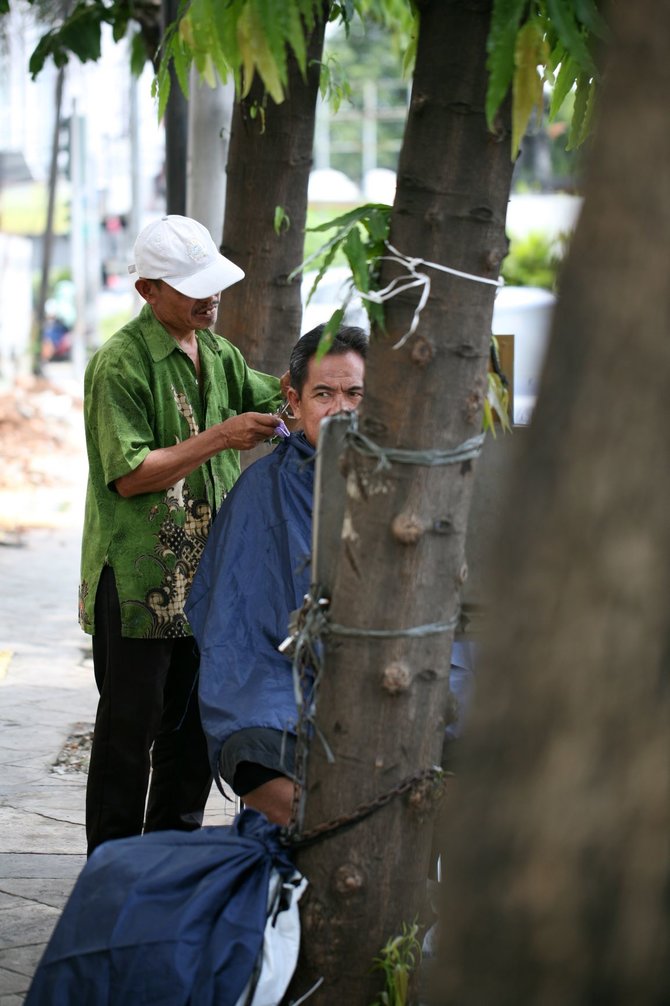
[{"x": 162, "y": 467}]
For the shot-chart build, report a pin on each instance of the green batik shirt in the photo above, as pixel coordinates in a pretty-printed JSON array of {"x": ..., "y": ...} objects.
[{"x": 141, "y": 393}]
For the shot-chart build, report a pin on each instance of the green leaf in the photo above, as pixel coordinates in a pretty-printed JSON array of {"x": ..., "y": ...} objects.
[
  {"x": 138, "y": 54},
  {"x": 570, "y": 34},
  {"x": 256, "y": 56},
  {"x": 488, "y": 423},
  {"x": 591, "y": 18},
  {"x": 496, "y": 402},
  {"x": 163, "y": 85},
  {"x": 181, "y": 60},
  {"x": 119, "y": 26},
  {"x": 328, "y": 258},
  {"x": 583, "y": 111},
  {"x": 224, "y": 21},
  {"x": 357, "y": 259},
  {"x": 198, "y": 34},
  {"x": 351, "y": 217},
  {"x": 409, "y": 57},
  {"x": 39, "y": 56},
  {"x": 527, "y": 85},
  {"x": 565, "y": 80},
  {"x": 282, "y": 221},
  {"x": 295, "y": 37},
  {"x": 4, "y": 6},
  {"x": 329, "y": 332},
  {"x": 378, "y": 222},
  {"x": 556, "y": 55},
  {"x": 505, "y": 21},
  {"x": 81, "y": 33}
]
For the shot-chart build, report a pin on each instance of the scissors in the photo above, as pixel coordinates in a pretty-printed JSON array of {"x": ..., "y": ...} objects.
[
  {"x": 281, "y": 430},
  {"x": 283, "y": 410}
]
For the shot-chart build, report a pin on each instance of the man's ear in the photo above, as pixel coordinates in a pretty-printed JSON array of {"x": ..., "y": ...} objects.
[
  {"x": 146, "y": 290},
  {"x": 293, "y": 399}
]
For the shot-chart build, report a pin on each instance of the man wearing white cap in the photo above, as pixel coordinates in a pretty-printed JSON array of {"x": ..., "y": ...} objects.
[{"x": 168, "y": 405}]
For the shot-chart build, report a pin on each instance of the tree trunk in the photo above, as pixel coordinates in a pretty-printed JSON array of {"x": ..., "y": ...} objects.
[
  {"x": 268, "y": 167},
  {"x": 176, "y": 131},
  {"x": 383, "y": 702},
  {"x": 558, "y": 870}
]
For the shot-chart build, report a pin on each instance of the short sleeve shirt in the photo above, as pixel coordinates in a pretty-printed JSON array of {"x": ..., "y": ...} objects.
[{"x": 141, "y": 393}]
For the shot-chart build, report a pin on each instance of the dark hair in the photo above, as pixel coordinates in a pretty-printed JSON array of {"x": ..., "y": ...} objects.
[{"x": 347, "y": 339}]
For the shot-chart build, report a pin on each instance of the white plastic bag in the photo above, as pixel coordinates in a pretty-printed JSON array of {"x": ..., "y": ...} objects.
[{"x": 281, "y": 943}]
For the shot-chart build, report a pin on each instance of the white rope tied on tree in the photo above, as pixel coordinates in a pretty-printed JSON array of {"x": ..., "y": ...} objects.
[
  {"x": 417, "y": 278},
  {"x": 415, "y": 631}
]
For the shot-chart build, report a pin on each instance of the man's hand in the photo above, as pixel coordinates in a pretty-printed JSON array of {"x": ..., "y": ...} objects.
[{"x": 249, "y": 429}]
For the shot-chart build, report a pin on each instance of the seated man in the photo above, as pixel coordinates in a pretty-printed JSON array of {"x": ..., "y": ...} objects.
[{"x": 254, "y": 572}]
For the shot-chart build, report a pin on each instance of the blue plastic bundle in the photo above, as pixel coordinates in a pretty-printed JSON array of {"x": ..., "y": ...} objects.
[{"x": 168, "y": 918}]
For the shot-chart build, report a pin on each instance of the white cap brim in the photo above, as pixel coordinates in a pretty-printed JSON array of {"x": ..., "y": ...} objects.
[{"x": 217, "y": 276}]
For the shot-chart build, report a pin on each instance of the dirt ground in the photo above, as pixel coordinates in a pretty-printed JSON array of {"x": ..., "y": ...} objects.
[{"x": 43, "y": 470}]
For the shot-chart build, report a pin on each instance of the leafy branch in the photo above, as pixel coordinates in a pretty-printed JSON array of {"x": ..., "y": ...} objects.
[
  {"x": 496, "y": 403},
  {"x": 360, "y": 235},
  {"x": 544, "y": 42},
  {"x": 242, "y": 38},
  {"x": 80, "y": 32},
  {"x": 398, "y": 959}
]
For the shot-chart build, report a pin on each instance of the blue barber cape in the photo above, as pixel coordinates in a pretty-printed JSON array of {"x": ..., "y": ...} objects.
[
  {"x": 166, "y": 919},
  {"x": 255, "y": 570}
]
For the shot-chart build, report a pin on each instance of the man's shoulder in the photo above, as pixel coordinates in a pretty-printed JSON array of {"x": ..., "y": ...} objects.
[
  {"x": 134, "y": 346},
  {"x": 125, "y": 340}
]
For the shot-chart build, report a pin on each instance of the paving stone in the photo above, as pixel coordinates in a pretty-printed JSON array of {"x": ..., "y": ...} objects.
[
  {"x": 64, "y": 802},
  {"x": 43, "y": 890},
  {"x": 22, "y": 960},
  {"x": 27, "y": 831},
  {"x": 12, "y": 982},
  {"x": 27, "y": 923},
  {"x": 46, "y": 865}
]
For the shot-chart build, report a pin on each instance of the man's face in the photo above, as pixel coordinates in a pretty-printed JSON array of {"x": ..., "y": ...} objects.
[
  {"x": 334, "y": 384},
  {"x": 179, "y": 314}
]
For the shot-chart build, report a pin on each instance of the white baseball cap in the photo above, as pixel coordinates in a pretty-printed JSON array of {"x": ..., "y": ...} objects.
[{"x": 181, "y": 251}]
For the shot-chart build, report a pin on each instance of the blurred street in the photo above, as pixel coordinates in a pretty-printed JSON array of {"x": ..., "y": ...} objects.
[{"x": 47, "y": 692}]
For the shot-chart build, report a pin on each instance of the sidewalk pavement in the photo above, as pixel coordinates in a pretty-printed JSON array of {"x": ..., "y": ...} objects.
[{"x": 47, "y": 694}]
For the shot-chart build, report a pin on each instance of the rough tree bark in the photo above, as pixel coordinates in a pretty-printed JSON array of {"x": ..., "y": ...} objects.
[
  {"x": 176, "y": 130},
  {"x": 383, "y": 702},
  {"x": 269, "y": 162},
  {"x": 558, "y": 867}
]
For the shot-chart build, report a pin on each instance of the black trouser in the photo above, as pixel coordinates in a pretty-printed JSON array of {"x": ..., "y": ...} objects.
[{"x": 147, "y": 725}]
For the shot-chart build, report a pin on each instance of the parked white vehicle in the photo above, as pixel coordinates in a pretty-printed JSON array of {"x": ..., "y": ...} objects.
[{"x": 522, "y": 311}]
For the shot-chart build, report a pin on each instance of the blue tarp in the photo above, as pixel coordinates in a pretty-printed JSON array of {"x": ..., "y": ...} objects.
[{"x": 166, "y": 919}]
